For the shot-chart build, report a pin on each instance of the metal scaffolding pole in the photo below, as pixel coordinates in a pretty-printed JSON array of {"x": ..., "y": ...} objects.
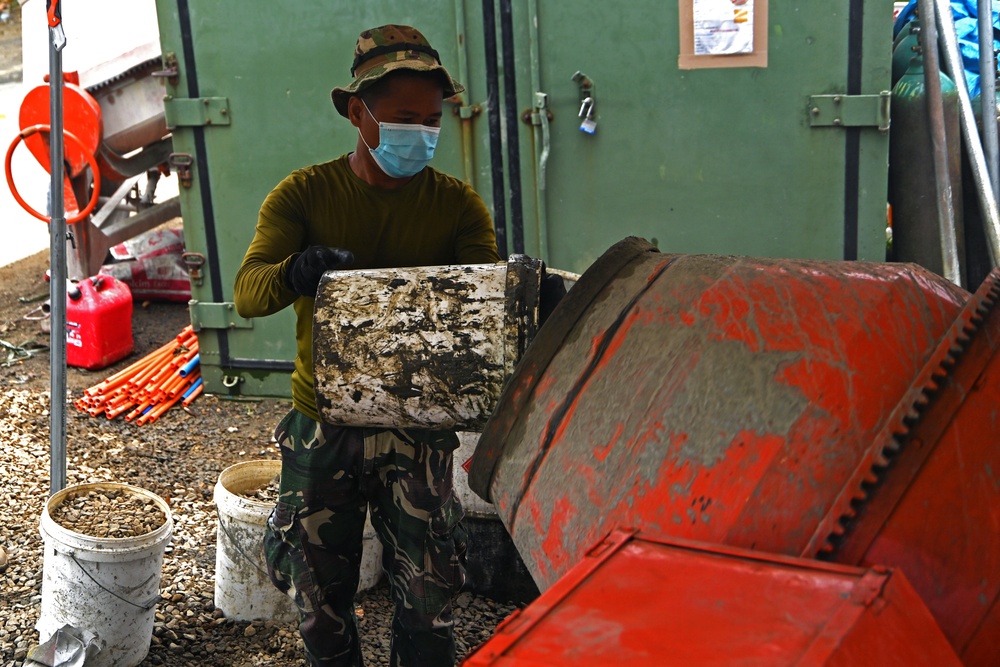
[
  {"x": 942, "y": 179},
  {"x": 57, "y": 254},
  {"x": 988, "y": 88},
  {"x": 970, "y": 133}
]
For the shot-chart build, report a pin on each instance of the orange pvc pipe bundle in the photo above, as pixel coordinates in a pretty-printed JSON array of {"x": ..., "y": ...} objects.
[{"x": 152, "y": 385}]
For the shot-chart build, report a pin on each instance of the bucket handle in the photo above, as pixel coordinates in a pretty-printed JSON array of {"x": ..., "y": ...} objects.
[
  {"x": 149, "y": 605},
  {"x": 236, "y": 545}
]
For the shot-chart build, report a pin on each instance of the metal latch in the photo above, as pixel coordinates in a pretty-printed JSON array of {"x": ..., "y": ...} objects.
[
  {"x": 195, "y": 111},
  {"x": 170, "y": 71},
  {"x": 194, "y": 261},
  {"x": 850, "y": 111},
  {"x": 216, "y": 316},
  {"x": 182, "y": 164}
]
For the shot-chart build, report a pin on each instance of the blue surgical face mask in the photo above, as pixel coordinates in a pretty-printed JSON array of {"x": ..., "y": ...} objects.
[{"x": 403, "y": 149}]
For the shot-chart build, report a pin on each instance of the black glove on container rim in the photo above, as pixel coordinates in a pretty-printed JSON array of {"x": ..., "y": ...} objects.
[{"x": 306, "y": 269}]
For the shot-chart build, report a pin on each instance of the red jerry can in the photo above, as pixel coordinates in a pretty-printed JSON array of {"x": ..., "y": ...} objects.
[
  {"x": 637, "y": 600},
  {"x": 98, "y": 322},
  {"x": 821, "y": 409}
]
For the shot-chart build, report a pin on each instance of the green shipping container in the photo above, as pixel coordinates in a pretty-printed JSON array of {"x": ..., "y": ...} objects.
[{"x": 780, "y": 151}]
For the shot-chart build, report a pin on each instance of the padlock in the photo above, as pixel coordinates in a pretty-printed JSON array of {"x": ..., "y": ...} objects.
[{"x": 588, "y": 125}]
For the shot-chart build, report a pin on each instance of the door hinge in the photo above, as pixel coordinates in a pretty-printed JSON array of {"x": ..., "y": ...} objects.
[
  {"x": 850, "y": 111},
  {"x": 195, "y": 111},
  {"x": 216, "y": 316}
]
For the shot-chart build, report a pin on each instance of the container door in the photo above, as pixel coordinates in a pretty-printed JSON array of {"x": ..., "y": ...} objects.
[
  {"x": 250, "y": 103},
  {"x": 779, "y": 152}
]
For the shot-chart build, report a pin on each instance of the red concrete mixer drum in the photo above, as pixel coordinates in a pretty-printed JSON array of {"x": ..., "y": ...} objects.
[{"x": 844, "y": 410}]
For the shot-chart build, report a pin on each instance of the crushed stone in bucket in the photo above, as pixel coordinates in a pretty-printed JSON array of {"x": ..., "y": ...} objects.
[
  {"x": 109, "y": 512},
  {"x": 104, "y": 547}
]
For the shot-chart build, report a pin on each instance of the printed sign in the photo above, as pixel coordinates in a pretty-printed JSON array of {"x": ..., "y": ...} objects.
[{"x": 723, "y": 27}]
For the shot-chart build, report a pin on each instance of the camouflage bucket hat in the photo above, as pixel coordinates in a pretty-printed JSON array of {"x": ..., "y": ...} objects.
[{"x": 386, "y": 49}]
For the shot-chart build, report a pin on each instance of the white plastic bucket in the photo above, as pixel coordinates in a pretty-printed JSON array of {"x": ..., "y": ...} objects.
[
  {"x": 492, "y": 565},
  {"x": 109, "y": 586},
  {"x": 243, "y": 591},
  {"x": 473, "y": 505}
]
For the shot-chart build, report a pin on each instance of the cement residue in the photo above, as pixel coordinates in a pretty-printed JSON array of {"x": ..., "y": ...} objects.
[{"x": 730, "y": 389}]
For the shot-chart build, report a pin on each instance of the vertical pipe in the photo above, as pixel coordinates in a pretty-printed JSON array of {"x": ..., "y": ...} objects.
[
  {"x": 511, "y": 117},
  {"x": 988, "y": 88},
  {"x": 463, "y": 59},
  {"x": 935, "y": 115},
  {"x": 57, "y": 269},
  {"x": 970, "y": 133},
  {"x": 465, "y": 110},
  {"x": 493, "y": 117},
  {"x": 852, "y": 135},
  {"x": 468, "y": 164},
  {"x": 541, "y": 142},
  {"x": 213, "y": 264}
]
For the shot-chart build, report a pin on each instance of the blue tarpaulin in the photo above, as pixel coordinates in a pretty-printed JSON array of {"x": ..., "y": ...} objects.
[{"x": 966, "y": 14}]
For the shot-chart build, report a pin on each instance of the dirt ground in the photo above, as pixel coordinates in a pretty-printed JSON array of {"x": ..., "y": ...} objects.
[
  {"x": 10, "y": 46},
  {"x": 178, "y": 457}
]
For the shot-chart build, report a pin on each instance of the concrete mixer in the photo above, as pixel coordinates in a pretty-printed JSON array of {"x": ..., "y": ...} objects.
[
  {"x": 116, "y": 140},
  {"x": 817, "y": 410},
  {"x": 841, "y": 411}
]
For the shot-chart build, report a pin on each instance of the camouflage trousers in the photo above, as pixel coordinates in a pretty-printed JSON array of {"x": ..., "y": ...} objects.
[{"x": 331, "y": 477}]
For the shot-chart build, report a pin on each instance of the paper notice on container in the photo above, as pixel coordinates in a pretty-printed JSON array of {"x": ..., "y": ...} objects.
[{"x": 723, "y": 27}]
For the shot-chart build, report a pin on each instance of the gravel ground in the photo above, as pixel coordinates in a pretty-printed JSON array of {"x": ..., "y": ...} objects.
[
  {"x": 10, "y": 46},
  {"x": 179, "y": 457}
]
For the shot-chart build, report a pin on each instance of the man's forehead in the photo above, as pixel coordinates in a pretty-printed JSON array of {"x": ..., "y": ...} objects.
[{"x": 407, "y": 90}]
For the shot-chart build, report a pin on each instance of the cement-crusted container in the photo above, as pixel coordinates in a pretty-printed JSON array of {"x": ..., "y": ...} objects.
[
  {"x": 243, "y": 590},
  {"x": 421, "y": 347},
  {"x": 107, "y": 585}
]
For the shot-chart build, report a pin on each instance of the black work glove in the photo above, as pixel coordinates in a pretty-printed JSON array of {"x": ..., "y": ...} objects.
[{"x": 308, "y": 267}]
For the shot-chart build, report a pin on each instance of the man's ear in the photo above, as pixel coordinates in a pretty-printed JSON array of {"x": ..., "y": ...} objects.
[{"x": 355, "y": 109}]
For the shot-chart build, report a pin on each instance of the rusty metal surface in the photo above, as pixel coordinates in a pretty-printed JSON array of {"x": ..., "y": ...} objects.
[
  {"x": 644, "y": 600},
  {"x": 424, "y": 347},
  {"x": 848, "y": 411},
  {"x": 717, "y": 398},
  {"x": 957, "y": 366},
  {"x": 932, "y": 506},
  {"x": 517, "y": 393}
]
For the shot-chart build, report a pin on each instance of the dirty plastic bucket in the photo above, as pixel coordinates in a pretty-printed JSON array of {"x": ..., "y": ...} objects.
[
  {"x": 472, "y": 504},
  {"x": 493, "y": 567},
  {"x": 243, "y": 590},
  {"x": 109, "y": 586}
]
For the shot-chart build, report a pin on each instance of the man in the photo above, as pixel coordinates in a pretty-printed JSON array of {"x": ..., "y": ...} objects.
[{"x": 380, "y": 206}]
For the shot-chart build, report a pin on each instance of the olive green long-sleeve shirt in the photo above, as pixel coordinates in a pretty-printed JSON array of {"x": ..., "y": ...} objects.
[{"x": 433, "y": 220}]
